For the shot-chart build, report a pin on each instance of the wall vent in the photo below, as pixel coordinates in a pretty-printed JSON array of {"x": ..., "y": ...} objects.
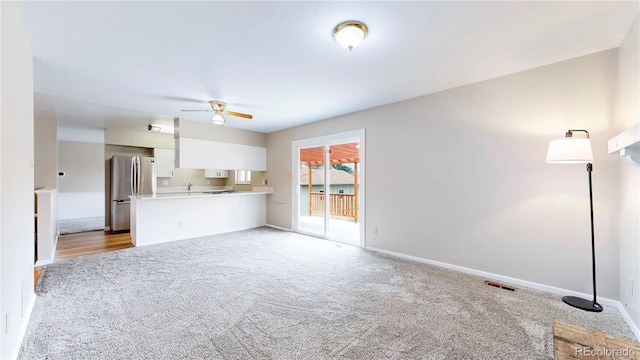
[{"x": 499, "y": 286}]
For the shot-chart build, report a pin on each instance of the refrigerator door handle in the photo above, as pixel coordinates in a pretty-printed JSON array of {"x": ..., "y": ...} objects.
[
  {"x": 138, "y": 175},
  {"x": 133, "y": 176}
]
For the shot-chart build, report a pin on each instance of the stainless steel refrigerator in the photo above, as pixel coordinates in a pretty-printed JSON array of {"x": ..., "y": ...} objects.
[{"x": 130, "y": 175}]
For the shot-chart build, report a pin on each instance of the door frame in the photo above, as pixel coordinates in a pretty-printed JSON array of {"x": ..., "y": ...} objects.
[{"x": 328, "y": 140}]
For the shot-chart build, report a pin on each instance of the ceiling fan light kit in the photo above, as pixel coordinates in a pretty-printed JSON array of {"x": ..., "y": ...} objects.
[
  {"x": 350, "y": 34},
  {"x": 218, "y": 107},
  {"x": 217, "y": 118}
]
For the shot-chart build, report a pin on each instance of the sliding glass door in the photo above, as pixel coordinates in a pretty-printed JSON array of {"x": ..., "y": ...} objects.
[
  {"x": 342, "y": 193},
  {"x": 312, "y": 190},
  {"x": 328, "y": 187}
]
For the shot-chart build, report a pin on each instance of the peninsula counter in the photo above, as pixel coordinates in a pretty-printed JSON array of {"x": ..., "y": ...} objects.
[{"x": 167, "y": 217}]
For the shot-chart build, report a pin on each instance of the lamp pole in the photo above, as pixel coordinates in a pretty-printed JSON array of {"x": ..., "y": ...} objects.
[
  {"x": 570, "y": 150},
  {"x": 576, "y": 301}
]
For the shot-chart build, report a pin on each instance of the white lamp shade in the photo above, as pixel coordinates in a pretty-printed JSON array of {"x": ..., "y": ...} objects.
[
  {"x": 350, "y": 36},
  {"x": 569, "y": 150},
  {"x": 217, "y": 118}
]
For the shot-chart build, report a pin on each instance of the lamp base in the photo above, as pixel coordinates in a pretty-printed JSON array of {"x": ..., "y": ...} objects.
[{"x": 586, "y": 305}]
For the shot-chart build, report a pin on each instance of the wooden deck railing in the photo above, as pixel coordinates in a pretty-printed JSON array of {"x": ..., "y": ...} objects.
[{"x": 340, "y": 205}]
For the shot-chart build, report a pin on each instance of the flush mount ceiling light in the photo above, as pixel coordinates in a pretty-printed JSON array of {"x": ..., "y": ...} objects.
[
  {"x": 217, "y": 118},
  {"x": 350, "y": 34}
]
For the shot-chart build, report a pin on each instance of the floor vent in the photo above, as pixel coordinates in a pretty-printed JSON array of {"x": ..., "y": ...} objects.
[{"x": 499, "y": 286}]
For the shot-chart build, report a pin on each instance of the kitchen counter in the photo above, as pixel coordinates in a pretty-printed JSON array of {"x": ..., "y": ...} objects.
[
  {"x": 184, "y": 215},
  {"x": 190, "y": 194}
]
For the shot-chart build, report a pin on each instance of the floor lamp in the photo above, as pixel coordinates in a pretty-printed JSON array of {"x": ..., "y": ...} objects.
[{"x": 577, "y": 150}]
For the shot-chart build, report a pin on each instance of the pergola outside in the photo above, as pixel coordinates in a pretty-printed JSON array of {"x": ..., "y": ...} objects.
[{"x": 340, "y": 204}]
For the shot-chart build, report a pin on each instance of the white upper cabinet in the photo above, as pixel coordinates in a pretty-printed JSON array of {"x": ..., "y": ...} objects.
[
  {"x": 628, "y": 144},
  {"x": 204, "y": 154},
  {"x": 216, "y": 173},
  {"x": 165, "y": 162}
]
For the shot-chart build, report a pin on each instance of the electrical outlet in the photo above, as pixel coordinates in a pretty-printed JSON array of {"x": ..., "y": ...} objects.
[
  {"x": 375, "y": 231},
  {"x": 631, "y": 286},
  {"x": 179, "y": 223},
  {"x": 208, "y": 182},
  {"x": 165, "y": 182}
]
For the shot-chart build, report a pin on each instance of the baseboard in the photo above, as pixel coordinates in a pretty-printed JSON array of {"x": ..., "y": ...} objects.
[
  {"x": 23, "y": 328},
  {"x": 627, "y": 318},
  {"x": 278, "y": 227},
  {"x": 44, "y": 262},
  {"x": 55, "y": 244},
  {"x": 501, "y": 278}
]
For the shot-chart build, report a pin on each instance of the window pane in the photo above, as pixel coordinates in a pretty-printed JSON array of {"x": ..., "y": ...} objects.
[{"x": 243, "y": 177}]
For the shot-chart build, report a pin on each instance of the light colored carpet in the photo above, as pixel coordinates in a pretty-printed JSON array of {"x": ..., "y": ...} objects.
[
  {"x": 70, "y": 226},
  {"x": 270, "y": 294}
]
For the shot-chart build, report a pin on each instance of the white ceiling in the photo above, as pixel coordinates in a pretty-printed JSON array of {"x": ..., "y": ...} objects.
[{"x": 126, "y": 64}]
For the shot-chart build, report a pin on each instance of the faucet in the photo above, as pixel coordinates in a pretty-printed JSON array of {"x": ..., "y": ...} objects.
[{"x": 189, "y": 185}]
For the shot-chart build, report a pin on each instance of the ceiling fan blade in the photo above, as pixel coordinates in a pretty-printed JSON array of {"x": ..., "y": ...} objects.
[
  {"x": 181, "y": 99},
  {"x": 196, "y": 110},
  {"x": 246, "y": 116}
]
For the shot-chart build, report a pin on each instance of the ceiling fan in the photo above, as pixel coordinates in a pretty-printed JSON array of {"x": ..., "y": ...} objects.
[{"x": 218, "y": 107}]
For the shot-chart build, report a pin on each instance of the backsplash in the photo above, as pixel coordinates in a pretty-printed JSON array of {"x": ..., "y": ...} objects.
[{"x": 182, "y": 177}]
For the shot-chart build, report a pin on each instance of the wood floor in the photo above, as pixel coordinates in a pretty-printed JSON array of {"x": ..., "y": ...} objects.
[
  {"x": 92, "y": 242},
  {"x": 36, "y": 275},
  {"x": 573, "y": 342},
  {"x": 70, "y": 245}
]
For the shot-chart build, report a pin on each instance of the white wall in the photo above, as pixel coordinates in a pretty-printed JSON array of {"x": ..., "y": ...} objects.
[
  {"x": 88, "y": 135},
  {"x": 83, "y": 165},
  {"x": 48, "y": 228},
  {"x": 46, "y": 152},
  {"x": 204, "y": 146},
  {"x": 16, "y": 180},
  {"x": 481, "y": 195},
  {"x": 143, "y": 138},
  {"x": 163, "y": 219},
  {"x": 627, "y": 113},
  {"x": 206, "y": 131},
  {"x": 81, "y": 190}
]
